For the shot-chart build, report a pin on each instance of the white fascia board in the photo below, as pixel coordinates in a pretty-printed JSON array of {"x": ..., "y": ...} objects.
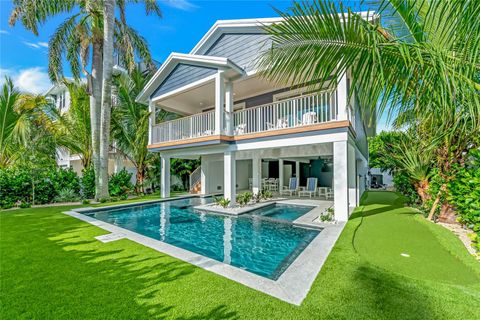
[{"x": 176, "y": 58}]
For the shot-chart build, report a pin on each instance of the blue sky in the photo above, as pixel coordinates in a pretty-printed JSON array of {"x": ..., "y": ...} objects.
[{"x": 24, "y": 57}]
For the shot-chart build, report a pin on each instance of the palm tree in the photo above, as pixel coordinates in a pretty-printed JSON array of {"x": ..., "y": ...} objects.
[
  {"x": 72, "y": 129},
  {"x": 24, "y": 128},
  {"x": 79, "y": 34},
  {"x": 415, "y": 159},
  {"x": 425, "y": 66},
  {"x": 130, "y": 123}
]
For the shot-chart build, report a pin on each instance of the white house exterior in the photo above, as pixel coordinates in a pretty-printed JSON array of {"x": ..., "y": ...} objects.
[
  {"x": 244, "y": 128},
  {"x": 60, "y": 95}
]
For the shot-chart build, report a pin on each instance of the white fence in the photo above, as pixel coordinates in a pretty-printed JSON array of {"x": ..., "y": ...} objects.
[
  {"x": 299, "y": 111},
  {"x": 197, "y": 125}
]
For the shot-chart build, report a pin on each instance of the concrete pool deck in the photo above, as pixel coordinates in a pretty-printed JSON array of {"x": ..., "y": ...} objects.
[{"x": 293, "y": 284}]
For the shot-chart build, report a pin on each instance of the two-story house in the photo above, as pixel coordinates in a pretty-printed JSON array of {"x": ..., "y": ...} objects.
[{"x": 244, "y": 128}]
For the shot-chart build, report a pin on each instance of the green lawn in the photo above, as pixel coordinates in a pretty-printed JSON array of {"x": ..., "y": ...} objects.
[{"x": 52, "y": 267}]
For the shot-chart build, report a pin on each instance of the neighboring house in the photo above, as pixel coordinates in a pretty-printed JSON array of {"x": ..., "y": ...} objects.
[
  {"x": 244, "y": 128},
  {"x": 61, "y": 97},
  {"x": 381, "y": 177}
]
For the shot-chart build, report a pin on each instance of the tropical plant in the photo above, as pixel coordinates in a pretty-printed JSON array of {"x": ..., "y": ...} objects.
[
  {"x": 120, "y": 183},
  {"x": 244, "y": 198},
  {"x": 25, "y": 133},
  {"x": 183, "y": 168},
  {"x": 66, "y": 195},
  {"x": 379, "y": 150},
  {"x": 88, "y": 183},
  {"x": 72, "y": 128},
  {"x": 130, "y": 121},
  {"x": 224, "y": 203},
  {"x": 423, "y": 66},
  {"x": 73, "y": 40}
]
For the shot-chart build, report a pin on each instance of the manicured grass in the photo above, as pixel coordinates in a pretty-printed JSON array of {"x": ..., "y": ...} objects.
[{"x": 52, "y": 267}]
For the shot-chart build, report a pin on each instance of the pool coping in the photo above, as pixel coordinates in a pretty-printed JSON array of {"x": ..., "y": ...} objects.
[{"x": 293, "y": 284}]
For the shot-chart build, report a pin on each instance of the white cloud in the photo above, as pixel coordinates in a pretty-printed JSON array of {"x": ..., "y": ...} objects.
[
  {"x": 4, "y": 31},
  {"x": 180, "y": 4},
  {"x": 33, "y": 80},
  {"x": 31, "y": 44},
  {"x": 36, "y": 45}
]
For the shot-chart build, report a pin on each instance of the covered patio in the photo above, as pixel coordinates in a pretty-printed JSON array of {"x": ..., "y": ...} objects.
[{"x": 323, "y": 171}]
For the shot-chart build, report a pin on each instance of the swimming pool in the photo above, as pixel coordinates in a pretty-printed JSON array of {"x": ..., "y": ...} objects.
[
  {"x": 249, "y": 242},
  {"x": 282, "y": 211}
]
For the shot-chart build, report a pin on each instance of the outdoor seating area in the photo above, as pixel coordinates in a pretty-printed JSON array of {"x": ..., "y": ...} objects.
[{"x": 293, "y": 188}]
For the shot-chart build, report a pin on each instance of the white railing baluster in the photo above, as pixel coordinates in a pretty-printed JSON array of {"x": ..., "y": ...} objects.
[{"x": 298, "y": 111}]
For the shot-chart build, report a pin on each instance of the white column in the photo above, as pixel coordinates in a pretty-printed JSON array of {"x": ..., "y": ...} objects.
[
  {"x": 340, "y": 180},
  {"x": 165, "y": 183},
  {"x": 229, "y": 108},
  {"x": 280, "y": 174},
  {"x": 204, "y": 175},
  {"x": 219, "y": 102},
  {"x": 151, "y": 122},
  {"x": 229, "y": 176},
  {"x": 297, "y": 171},
  {"x": 352, "y": 177},
  {"x": 256, "y": 174},
  {"x": 227, "y": 240},
  {"x": 342, "y": 98}
]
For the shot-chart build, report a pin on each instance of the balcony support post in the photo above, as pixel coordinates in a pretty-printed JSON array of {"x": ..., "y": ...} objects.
[
  {"x": 229, "y": 108},
  {"x": 151, "y": 123},
  {"x": 219, "y": 101},
  {"x": 229, "y": 174}
]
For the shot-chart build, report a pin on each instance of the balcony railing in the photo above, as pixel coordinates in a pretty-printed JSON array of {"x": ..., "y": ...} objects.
[
  {"x": 197, "y": 125},
  {"x": 294, "y": 112}
]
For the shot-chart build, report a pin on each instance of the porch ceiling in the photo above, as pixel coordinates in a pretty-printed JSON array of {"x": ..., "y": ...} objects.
[{"x": 202, "y": 97}]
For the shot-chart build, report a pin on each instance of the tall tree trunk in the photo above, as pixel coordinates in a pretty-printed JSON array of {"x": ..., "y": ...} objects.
[
  {"x": 95, "y": 107},
  {"x": 108, "y": 25}
]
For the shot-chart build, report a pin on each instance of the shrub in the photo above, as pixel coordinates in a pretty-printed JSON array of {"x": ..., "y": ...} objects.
[
  {"x": 327, "y": 215},
  {"x": 266, "y": 194},
  {"x": 222, "y": 202},
  {"x": 7, "y": 205},
  {"x": 63, "y": 179},
  {"x": 404, "y": 186},
  {"x": 119, "y": 183},
  {"x": 37, "y": 186},
  {"x": 103, "y": 200},
  {"x": 66, "y": 195},
  {"x": 88, "y": 183},
  {"x": 464, "y": 195},
  {"x": 25, "y": 204},
  {"x": 85, "y": 201},
  {"x": 244, "y": 198},
  {"x": 124, "y": 197}
]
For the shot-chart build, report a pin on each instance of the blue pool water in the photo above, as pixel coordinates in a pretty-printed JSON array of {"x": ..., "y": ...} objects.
[
  {"x": 249, "y": 242},
  {"x": 282, "y": 211}
]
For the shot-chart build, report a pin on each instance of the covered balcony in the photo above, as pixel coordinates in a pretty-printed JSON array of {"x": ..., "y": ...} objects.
[{"x": 289, "y": 113}]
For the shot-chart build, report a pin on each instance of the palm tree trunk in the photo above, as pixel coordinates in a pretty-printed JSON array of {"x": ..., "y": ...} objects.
[
  {"x": 437, "y": 201},
  {"x": 95, "y": 107},
  {"x": 108, "y": 25}
]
